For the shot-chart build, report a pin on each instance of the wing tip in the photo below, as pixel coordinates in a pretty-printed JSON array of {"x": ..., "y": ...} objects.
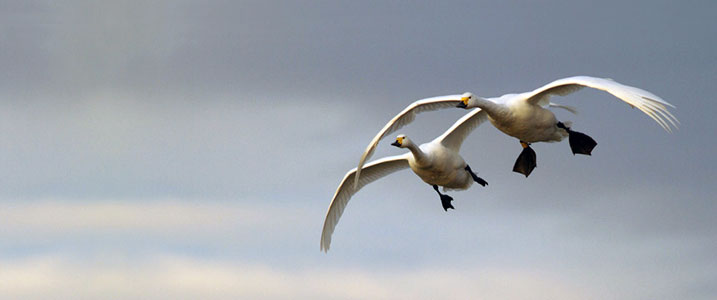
[
  {"x": 325, "y": 245},
  {"x": 658, "y": 100}
]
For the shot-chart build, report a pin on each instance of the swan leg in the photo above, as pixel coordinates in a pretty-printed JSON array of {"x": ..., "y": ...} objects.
[
  {"x": 475, "y": 177},
  {"x": 580, "y": 143},
  {"x": 445, "y": 199},
  {"x": 526, "y": 161}
]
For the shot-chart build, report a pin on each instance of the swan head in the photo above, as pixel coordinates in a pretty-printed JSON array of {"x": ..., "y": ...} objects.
[
  {"x": 465, "y": 100},
  {"x": 402, "y": 141}
]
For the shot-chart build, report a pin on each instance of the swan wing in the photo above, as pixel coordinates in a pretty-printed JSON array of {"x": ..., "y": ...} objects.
[
  {"x": 645, "y": 101},
  {"x": 372, "y": 171},
  {"x": 565, "y": 107},
  {"x": 403, "y": 118},
  {"x": 454, "y": 136}
]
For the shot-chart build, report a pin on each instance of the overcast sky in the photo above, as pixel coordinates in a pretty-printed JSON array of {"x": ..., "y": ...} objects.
[{"x": 190, "y": 149}]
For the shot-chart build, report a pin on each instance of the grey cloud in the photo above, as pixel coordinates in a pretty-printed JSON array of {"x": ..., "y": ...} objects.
[{"x": 275, "y": 101}]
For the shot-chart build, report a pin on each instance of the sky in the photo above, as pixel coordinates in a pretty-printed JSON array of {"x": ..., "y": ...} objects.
[{"x": 190, "y": 149}]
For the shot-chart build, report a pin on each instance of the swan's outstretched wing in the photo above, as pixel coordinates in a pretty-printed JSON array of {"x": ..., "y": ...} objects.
[
  {"x": 403, "y": 118},
  {"x": 454, "y": 136},
  {"x": 643, "y": 100},
  {"x": 372, "y": 171}
]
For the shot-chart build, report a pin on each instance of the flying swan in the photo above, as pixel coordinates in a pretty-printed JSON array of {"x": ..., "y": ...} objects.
[
  {"x": 437, "y": 163},
  {"x": 525, "y": 117}
]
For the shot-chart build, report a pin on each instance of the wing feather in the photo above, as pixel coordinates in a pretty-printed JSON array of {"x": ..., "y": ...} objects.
[
  {"x": 372, "y": 172},
  {"x": 649, "y": 103},
  {"x": 453, "y": 137},
  {"x": 565, "y": 107}
]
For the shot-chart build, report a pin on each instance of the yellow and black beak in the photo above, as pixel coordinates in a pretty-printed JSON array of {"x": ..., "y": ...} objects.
[
  {"x": 398, "y": 142},
  {"x": 463, "y": 103}
]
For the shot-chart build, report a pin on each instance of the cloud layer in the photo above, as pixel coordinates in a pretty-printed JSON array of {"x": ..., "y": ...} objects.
[
  {"x": 153, "y": 149},
  {"x": 190, "y": 278}
]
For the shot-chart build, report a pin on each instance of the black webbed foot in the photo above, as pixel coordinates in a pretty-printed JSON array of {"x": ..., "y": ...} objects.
[
  {"x": 475, "y": 177},
  {"x": 446, "y": 202},
  {"x": 580, "y": 143},
  {"x": 526, "y": 161},
  {"x": 445, "y": 199}
]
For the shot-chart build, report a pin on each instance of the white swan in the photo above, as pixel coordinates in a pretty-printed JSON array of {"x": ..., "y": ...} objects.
[
  {"x": 436, "y": 163},
  {"x": 525, "y": 117}
]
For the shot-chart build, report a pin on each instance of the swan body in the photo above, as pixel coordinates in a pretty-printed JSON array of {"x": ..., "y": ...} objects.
[
  {"x": 437, "y": 163},
  {"x": 526, "y": 121}
]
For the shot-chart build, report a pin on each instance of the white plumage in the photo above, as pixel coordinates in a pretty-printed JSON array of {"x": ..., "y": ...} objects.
[
  {"x": 524, "y": 115},
  {"x": 437, "y": 163},
  {"x": 402, "y": 119}
]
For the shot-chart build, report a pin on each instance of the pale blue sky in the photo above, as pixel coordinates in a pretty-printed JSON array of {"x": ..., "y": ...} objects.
[{"x": 189, "y": 149}]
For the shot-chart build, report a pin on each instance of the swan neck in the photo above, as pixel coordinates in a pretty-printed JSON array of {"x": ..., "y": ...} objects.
[
  {"x": 489, "y": 106},
  {"x": 418, "y": 155}
]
